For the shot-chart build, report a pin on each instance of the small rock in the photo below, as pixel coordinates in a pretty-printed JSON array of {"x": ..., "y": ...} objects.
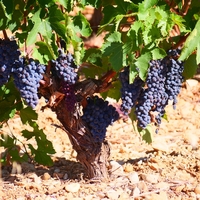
[
  {"x": 197, "y": 189},
  {"x": 191, "y": 83},
  {"x": 160, "y": 146},
  {"x": 133, "y": 177},
  {"x": 72, "y": 187},
  {"x": 116, "y": 168},
  {"x": 128, "y": 167},
  {"x": 112, "y": 194},
  {"x": 151, "y": 178},
  {"x": 162, "y": 185},
  {"x": 65, "y": 177},
  {"x": 136, "y": 192},
  {"x": 142, "y": 186},
  {"x": 162, "y": 195},
  {"x": 45, "y": 176},
  {"x": 57, "y": 170}
]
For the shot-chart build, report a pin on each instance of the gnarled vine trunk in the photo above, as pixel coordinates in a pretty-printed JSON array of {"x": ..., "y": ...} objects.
[{"x": 92, "y": 155}]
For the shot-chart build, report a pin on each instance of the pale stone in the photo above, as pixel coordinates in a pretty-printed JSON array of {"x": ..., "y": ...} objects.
[
  {"x": 133, "y": 177},
  {"x": 197, "y": 189},
  {"x": 72, "y": 187},
  {"x": 191, "y": 83},
  {"x": 45, "y": 176},
  {"x": 112, "y": 194},
  {"x": 116, "y": 168},
  {"x": 151, "y": 178},
  {"x": 136, "y": 192}
]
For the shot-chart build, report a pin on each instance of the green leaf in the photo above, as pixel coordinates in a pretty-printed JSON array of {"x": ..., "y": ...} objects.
[
  {"x": 114, "y": 49},
  {"x": 191, "y": 43},
  {"x": 28, "y": 115},
  {"x": 158, "y": 53},
  {"x": 147, "y": 134},
  {"x": 40, "y": 157},
  {"x": 45, "y": 2},
  {"x": 142, "y": 63},
  {"x": 6, "y": 141},
  {"x": 146, "y": 4},
  {"x": 27, "y": 134},
  {"x": 81, "y": 25},
  {"x": 9, "y": 5},
  {"x": 114, "y": 91},
  {"x": 190, "y": 67},
  {"x": 68, "y": 4}
]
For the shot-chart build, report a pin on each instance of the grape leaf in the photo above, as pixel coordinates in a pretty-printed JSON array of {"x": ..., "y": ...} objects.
[
  {"x": 68, "y": 4},
  {"x": 28, "y": 115},
  {"x": 142, "y": 63},
  {"x": 190, "y": 67},
  {"x": 114, "y": 91},
  {"x": 191, "y": 43},
  {"x": 113, "y": 48},
  {"x": 158, "y": 53},
  {"x": 81, "y": 25},
  {"x": 147, "y": 134}
]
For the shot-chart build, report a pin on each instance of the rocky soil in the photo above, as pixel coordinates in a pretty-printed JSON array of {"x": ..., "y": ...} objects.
[{"x": 169, "y": 168}]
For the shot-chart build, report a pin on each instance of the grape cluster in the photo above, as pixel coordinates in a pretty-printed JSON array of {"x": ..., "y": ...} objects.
[
  {"x": 153, "y": 98},
  {"x": 70, "y": 97},
  {"x": 27, "y": 75},
  {"x": 129, "y": 92},
  {"x": 98, "y": 114},
  {"x": 174, "y": 76},
  {"x": 163, "y": 83},
  {"x": 64, "y": 68},
  {"x": 9, "y": 52}
]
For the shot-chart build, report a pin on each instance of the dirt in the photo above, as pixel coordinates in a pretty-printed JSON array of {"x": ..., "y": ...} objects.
[{"x": 169, "y": 168}]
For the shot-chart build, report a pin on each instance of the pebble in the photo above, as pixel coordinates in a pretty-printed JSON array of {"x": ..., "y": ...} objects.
[
  {"x": 151, "y": 178},
  {"x": 197, "y": 189},
  {"x": 72, "y": 187},
  {"x": 66, "y": 176},
  {"x": 45, "y": 176},
  {"x": 116, "y": 168},
  {"x": 133, "y": 177},
  {"x": 112, "y": 194},
  {"x": 136, "y": 192},
  {"x": 128, "y": 167}
]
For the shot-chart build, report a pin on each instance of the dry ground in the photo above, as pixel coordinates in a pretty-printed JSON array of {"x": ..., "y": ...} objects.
[{"x": 169, "y": 168}]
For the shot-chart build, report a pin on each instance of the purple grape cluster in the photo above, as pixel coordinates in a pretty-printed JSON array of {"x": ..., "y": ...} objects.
[
  {"x": 153, "y": 97},
  {"x": 70, "y": 97},
  {"x": 174, "y": 76},
  {"x": 64, "y": 68},
  {"x": 9, "y": 52},
  {"x": 27, "y": 75},
  {"x": 98, "y": 114},
  {"x": 129, "y": 92},
  {"x": 163, "y": 83}
]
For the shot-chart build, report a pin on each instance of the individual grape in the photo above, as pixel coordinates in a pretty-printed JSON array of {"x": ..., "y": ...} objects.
[
  {"x": 9, "y": 52},
  {"x": 27, "y": 75},
  {"x": 129, "y": 92},
  {"x": 64, "y": 68},
  {"x": 70, "y": 97},
  {"x": 98, "y": 114}
]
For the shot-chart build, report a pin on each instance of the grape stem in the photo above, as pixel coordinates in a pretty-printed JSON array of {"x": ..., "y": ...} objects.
[{"x": 5, "y": 34}]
